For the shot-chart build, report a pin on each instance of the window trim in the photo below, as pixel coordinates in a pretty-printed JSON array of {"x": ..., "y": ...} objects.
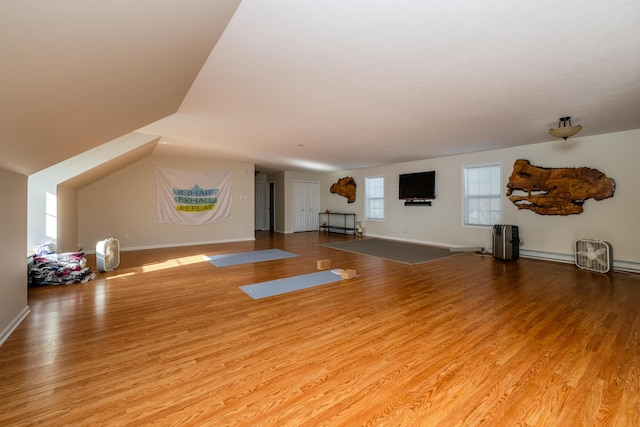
[
  {"x": 367, "y": 198},
  {"x": 465, "y": 212}
]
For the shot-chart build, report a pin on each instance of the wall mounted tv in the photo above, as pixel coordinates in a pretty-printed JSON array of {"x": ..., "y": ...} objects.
[{"x": 417, "y": 186}]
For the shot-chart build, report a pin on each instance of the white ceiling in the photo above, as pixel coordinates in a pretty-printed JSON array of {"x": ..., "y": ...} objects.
[
  {"x": 76, "y": 74},
  {"x": 344, "y": 84}
]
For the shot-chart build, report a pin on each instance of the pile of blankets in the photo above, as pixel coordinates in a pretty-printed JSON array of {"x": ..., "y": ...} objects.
[{"x": 59, "y": 269}]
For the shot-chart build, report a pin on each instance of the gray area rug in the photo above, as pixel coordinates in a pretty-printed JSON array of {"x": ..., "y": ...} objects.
[{"x": 408, "y": 253}]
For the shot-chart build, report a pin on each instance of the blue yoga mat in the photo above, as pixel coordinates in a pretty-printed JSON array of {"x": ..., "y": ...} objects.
[
  {"x": 238, "y": 258},
  {"x": 289, "y": 284}
]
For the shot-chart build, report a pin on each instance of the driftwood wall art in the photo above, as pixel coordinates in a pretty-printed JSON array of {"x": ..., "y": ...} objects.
[
  {"x": 557, "y": 191},
  {"x": 345, "y": 187}
]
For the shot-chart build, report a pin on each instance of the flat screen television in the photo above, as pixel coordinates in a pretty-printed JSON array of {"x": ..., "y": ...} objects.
[{"x": 417, "y": 186}]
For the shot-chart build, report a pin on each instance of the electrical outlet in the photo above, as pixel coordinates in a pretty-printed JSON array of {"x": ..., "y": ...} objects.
[{"x": 126, "y": 235}]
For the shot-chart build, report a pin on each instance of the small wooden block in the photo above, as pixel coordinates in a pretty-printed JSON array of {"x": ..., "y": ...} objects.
[
  {"x": 348, "y": 274},
  {"x": 324, "y": 264}
]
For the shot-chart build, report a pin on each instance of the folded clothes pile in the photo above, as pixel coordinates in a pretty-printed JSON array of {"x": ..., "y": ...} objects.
[{"x": 60, "y": 269}]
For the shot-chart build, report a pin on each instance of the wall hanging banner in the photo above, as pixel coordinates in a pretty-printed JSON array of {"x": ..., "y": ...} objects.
[{"x": 192, "y": 198}]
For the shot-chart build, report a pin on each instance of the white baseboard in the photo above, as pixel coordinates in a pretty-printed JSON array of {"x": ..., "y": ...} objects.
[
  {"x": 618, "y": 265},
  {"x": 175, "y": 245},
  {"x": 631, "y": 267},
  {"x": 14, "y": 324},
  {"x": 547, "y": 256}
]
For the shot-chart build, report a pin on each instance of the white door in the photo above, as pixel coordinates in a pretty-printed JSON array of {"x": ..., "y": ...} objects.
[
  {"x": 312, "y": 205},
  {"x": 298, "y": 206},
  {"x": 306, "y": 205}
]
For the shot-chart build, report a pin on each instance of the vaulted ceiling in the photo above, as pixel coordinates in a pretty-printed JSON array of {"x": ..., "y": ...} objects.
[
  {"x": 311, "y": 84},
  {"x": 76, "y": 74}
]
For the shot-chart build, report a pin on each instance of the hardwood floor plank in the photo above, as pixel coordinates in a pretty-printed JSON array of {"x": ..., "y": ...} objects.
[{"x": 169, "y": 339}]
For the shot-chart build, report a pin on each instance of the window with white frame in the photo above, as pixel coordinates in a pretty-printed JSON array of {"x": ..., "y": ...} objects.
[
  {"x": 482, "y": 195},
  {"x": 51, "y": 216},
  {"x": 374, "y": 197}
]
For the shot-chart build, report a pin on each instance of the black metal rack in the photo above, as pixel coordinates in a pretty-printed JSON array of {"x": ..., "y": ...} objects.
[{"x": 337, "y": 222}]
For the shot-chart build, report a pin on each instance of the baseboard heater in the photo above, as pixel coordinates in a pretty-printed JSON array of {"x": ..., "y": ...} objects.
[{"x": 506, "y": 242}]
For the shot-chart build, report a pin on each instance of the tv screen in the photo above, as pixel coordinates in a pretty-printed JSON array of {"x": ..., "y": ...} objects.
[{"x": 418, "y": 186}]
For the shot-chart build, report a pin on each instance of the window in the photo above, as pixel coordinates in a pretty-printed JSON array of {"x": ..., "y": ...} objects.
[
  {"x": 374, "y": 197},
  {"x": 482, "y": 198},
  {"x": 51, "y": 216}
]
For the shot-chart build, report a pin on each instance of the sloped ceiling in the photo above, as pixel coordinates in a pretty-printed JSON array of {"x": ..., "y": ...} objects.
[
  {"x": 311, "y": 84},
  {"x": 76, "y": 74},
  {"x": 85, "y": 171},
  {"x": 336, "y": 85}
]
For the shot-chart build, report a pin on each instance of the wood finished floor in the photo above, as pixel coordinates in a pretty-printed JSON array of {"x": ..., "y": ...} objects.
[{"x": 169, "y": 339}]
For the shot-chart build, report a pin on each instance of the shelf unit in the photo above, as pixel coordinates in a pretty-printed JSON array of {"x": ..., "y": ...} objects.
[{"x": 337, "y": 222}]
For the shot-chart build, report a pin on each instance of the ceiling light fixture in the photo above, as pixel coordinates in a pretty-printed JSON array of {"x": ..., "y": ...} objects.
[{"x": 563, "y": 131}]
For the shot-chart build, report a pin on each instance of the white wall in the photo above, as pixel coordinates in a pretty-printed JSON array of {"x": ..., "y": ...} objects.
[
  {"x": 13, "y": 251},
  {"x": 124, "y": 202},
  {"x": 47, "y": 180},
  {"x": 67, "y": 224},
  {"x": 613, "y": 220}
]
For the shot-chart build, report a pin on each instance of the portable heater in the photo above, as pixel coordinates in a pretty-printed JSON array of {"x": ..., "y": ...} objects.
[{"x": 506, "y": 243}]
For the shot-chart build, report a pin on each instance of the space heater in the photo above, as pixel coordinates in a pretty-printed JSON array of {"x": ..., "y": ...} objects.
[{"x": 506, "y": 242}]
